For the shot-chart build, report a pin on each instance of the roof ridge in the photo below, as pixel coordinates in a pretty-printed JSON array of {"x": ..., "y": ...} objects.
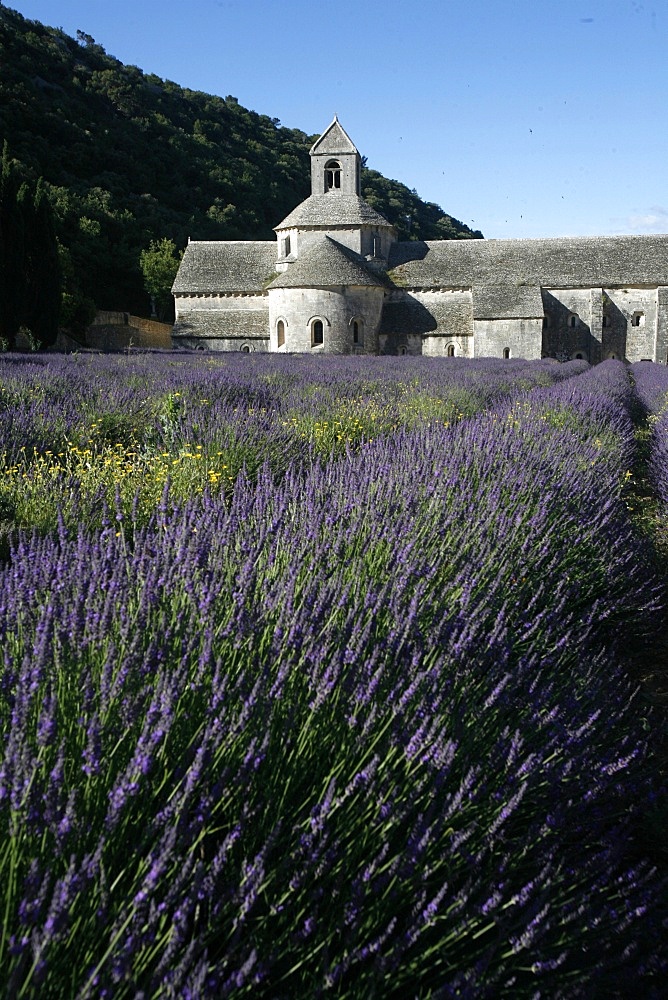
[
  {"x": 218, "y": 243},
  {"x": 559, "y": 261}
]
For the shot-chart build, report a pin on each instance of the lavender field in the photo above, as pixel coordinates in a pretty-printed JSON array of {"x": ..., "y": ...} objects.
[{"x": 314, "y": 678}]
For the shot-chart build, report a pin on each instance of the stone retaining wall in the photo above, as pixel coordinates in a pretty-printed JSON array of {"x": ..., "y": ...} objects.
[{"x": 117, "y": 331}]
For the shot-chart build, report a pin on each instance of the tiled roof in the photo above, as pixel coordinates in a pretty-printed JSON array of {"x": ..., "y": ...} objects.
[
  {"x": 333, "y": 140},
  {"x": 445, "y": 316},
  {"x": 323, "y": 262},
  {"x": 208, "y": 268},
  {"x": 507, "y": 302},
  {"x": 333, "y": 209},
  {"x": 235, "y": 323},
  {"x": 569, "y": 262}
]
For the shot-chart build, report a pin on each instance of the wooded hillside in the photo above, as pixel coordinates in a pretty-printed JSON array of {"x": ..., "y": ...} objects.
[{"x": 128, "y": 158}]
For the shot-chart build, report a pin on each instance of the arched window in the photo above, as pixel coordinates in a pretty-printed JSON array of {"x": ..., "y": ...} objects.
[
  {"x": 357, "y": 329},
  {"x": 606, "y": 320},
  {"x": 317, "y": 333},
  {"x": 506, "y": 352},
  {"x": 638, "y": 319},
  {"x": 332, "y": 175},
  {"x": 280, "y": 333},
  {"x": 579, "y": 356},
  {"x": 573, "y": 320},
  {"x": 402, "y": 349},
  {"x": 245, "y": 349},
  {"x": 450, "y": 351}
]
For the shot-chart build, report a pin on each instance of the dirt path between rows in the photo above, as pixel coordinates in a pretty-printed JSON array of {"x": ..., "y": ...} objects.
[{"x": 646, "y": 656}]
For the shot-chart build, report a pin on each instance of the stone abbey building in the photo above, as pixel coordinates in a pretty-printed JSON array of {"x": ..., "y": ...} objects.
[{"x": 337, "y": 281}]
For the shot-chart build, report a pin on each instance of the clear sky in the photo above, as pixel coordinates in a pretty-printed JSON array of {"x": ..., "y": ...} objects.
[{"x": 522, "y": 118}]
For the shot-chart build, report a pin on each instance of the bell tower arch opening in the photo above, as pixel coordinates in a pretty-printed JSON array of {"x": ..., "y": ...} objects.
[{"x": 333, "y": 176}]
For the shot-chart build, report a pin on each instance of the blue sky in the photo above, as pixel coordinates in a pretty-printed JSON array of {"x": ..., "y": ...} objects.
[{"x": 522, "y": 118}]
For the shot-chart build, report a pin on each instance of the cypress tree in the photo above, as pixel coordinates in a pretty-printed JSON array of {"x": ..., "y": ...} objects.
[
  {"x": 30, "y": 279},
  {"x": 41, "y": 265},
  {"x": 12, "y": 271}
]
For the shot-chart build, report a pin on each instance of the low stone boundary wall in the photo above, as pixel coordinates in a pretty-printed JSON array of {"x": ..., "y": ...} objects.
[{"x": 117, "y": 331}]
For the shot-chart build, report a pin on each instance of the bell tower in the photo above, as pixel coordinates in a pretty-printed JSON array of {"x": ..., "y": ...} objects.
[{"x": 335, "y": 163}]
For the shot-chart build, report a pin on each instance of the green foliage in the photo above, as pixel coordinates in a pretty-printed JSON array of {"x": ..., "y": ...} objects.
[
  {"x": 76, "y": 311},
  {"x": 29, "y": 262},
  {"x": 159, "y": 264},
  {"x": 11, "y": 250},
  {"x": 129, "y": 158},
  {"x": 41, "y": 265}
]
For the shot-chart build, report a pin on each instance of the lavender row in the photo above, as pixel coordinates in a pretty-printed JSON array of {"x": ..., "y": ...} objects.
[
  {"x": 160, "y": 400},
  {"x": 596, "y": 406},
  {"x": 363, "y": 726},
  {"x": 651, "y": 383},
  {"x": 81, "y": 432}
]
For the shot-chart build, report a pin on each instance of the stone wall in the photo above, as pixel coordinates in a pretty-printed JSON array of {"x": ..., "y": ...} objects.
[
  {"x": 117, "y": 331},
  {"x": 634, "y": 322},
  {"x": 436, "y": 318},
  {"x": 246, "y": 346},
  {"x": 521, "y": 337},
  {"x": 222, "y": 322},
  {"x": 601, "y": 323},
  {"x": 336, "y": 308},
  {"x": 661, "y": 346},
  {"x": 572, "y": 322},
  {"x": 349, "y": 176},
  {"x": 438, "y": 347},
  {"x": 362, "y": 239}
]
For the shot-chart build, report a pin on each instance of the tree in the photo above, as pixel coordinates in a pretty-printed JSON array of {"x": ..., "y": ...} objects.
[
  {"x": 41, "y": 265},
  {"x": 11, "y": 252},
  {"x": 29, "y": 266},
  {"x": 124, "y": 164},
  {"x": 77, "y": 310},
  {"x": 159, "y": 264}
]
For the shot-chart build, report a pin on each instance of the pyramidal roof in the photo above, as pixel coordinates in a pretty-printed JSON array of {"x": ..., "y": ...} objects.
[
  {"x": 333, "y": 210},
  {"x": 323, "y": 262},
  {"x": 334, "y": 139}
]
